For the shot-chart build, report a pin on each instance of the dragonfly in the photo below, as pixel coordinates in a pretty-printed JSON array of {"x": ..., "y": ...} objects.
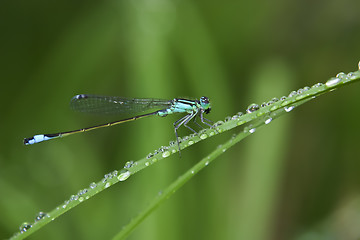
[{"x": 88, "y": 103}]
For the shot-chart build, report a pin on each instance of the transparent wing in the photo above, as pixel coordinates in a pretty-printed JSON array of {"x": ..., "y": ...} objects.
[{"x": 115, "y": 105}]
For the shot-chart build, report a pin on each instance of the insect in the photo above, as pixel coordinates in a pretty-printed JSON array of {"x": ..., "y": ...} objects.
[{"x": 112, "y": 105}]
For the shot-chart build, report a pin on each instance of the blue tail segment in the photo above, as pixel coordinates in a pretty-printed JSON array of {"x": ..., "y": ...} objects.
[{"x": 40, "y": 138}]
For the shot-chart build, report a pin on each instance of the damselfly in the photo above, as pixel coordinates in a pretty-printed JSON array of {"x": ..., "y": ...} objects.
[{"x": 113, "y": 105}]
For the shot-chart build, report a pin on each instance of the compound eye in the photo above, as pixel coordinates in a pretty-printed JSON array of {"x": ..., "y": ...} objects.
[{"x": 204, "y": 100}]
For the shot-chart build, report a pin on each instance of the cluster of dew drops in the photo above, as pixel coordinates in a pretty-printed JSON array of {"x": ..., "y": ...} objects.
[
  {"x": 331, "y": 83},
  {"x": 26, "y": 225},
  {"x": 340, "y": 78},
  {"x": 81, "y": 195}
]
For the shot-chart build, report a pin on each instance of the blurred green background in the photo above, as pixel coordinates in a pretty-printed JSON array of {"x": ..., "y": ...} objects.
[{"x": 297, "y": 178}]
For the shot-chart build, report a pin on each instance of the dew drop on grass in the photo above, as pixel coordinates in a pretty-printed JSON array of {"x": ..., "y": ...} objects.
[
  {"x": 240, "y": 114},
  {"x": 228, "y": 118},
  {"x": 289, "y": 108},
  {"x": 129, "y": 164},
  {"x": 268, "y": 120},
  {"x": 24, "y": 227},
  {"x": 166, "y": 154},
  {"x": 124, "y": 175},
  {"x": 341, "y": 75},
  {"x": 350, "y": 75},
  {"x": 114, "y": 173},
  {"x": 252, "y": 108},
  {"x": 234, "y": 117},
  {"x": 203, "y": 136},
  {"x": 332, "y": 82},
  {"x": 40, "y": 216},
  {"x": 293, "y": 93},
  {"x": 92, "y": 185},
  {"x": 218, "y": 123},
  {"x": 317, "y": 85}
]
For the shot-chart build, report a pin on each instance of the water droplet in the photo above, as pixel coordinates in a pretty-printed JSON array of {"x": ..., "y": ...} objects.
[
  {"x": 289, "y": 108},
  {"x": 317, "y": 85},
  {"x": 166, "y": 154},
  {"x": 40, "y": 216},
  {"x": 306, "y": 88},
  {"x": 202, "y": 131},
  {"x": 74, "y": 197},
  {"x": 227, "y": 119},
  {"x": 282, "y": 98},
  {"x": 147, "y": 164},
  {"x": 81, "y": 199},
  {"x": 192, "y": 171},
  {"x": 263, "y": 104},
  {"x": 185, "y": 138},
  {"x": 252, "y": 108},
  {"x": 82, "y": 192},
  {"x": 107, "y": 185},
  {"x": 268, "y": 120},
  {"x": 299, "y": 91},
  {"x": 341, "y": 75},
  {"x": 252, "y": 130},
  {"x": 163, "y": 149},
  {"x": 269, "y": 103},
  {"x": 359, "y": 65},
  {"x": 332, "y": 82},
  {"x": 150, "y": 155},
  {"x": 114, "y": 173},
  {"x": 129, "y": 164},
  {"x": 350, "y": 75},
  {"x": 24, "y": 227},
  {"x": 203, "y": 136},
  {"x": 171, "y": 143},
  {"x": 124, "y": 175},
  {"x": 92, "y": 185},
  {"x": 191, "y": 142},
  {"x": 240, "y": 114},
  {"x": 235, "y": 117},
  {"x": 106, "y": 177},
  {"x": 218, "y": 123},
  {"x": 293, "y": 93},
  {"x": 206, "y": 163}
]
